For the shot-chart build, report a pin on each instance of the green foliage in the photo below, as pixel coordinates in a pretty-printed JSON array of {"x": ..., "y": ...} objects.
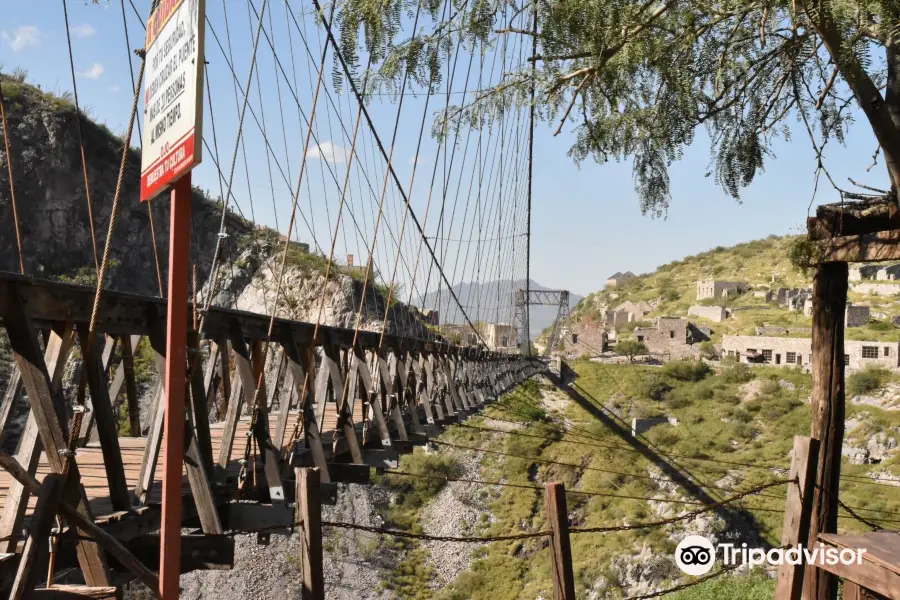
[
  {"x": 638, "y": 79},
  {"x": 755, "y": 586},
  {"x": 736, "y": 372},
  {"x": 631, "y": 348},
  {"x": 686, "y": 370},
  {"x": 804, "y": 255},
  {"x": 708, "y": 350},
  {"x": 863, "y": 382},
  {"x": 415, "y": 492},
  {"x": 655, "y": 387}
]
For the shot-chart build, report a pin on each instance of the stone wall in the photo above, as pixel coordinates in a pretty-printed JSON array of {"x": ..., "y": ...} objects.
[
  {"x": 710, "y": 288},
  {"x": 783, "y": 351},
  {"x": 856, "y": 315},
  {"x": 875, "y": 289},
  {"x": 716, "y": 314}
]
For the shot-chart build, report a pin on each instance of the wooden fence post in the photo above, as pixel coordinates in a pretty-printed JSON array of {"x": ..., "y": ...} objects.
[
  {"x": 828, "y": 305},
  {"x": 309, "y": 514},
  {"x": 797, "y": 514},
  {"x": 560, "y": 548}
]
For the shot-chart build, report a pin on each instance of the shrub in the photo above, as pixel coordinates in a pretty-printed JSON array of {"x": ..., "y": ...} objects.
[
  {"x": 675, "y": 401},
  {"x": 708, "y": 350},
  {"x": 655, "y": 387},
  {"x": 863, "y": 382},
  {"x": 737, "y": 373},
  {"x": 686, "y": 370}
]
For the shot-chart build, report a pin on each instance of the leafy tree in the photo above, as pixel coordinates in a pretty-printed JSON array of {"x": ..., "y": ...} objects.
[
  {"x": 631, "y": 348},
  {"x": 637, "y": 78}
]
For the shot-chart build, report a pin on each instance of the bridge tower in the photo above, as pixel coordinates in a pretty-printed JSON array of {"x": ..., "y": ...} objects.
[{"x": 558, "y": 298}]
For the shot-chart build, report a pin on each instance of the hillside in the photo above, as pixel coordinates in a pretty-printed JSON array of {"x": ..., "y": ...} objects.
[{"x": 764, "y": 264}]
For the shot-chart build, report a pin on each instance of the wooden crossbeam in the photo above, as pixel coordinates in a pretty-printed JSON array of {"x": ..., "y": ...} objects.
[
  {"x": 198, "y": 398},
  {"x": 869, "y": 247},
  {"x": 301, "y": 380},
  {"x": 129, "y": 344},
  {"x": 42, "y": 522},
  {"x": 77, "y": 592},
  {"x": 147, "y": 471}
]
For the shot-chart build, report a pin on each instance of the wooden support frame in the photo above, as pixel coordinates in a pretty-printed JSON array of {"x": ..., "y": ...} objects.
[
  {"x": 828, "y": 405},
  {"x": 302, "y": 380},
  {"x": 309, "y": 514},
  {"x": 42, "y": 522},
  {"x": 560, "y": 546},
  {"x": 789, "y": 585},
  {"x": 45, "y": 405},
  {"x": 29, "y": 450},
  {"x": 129, "y": 345},
  {"x": 147, "y": 471}
]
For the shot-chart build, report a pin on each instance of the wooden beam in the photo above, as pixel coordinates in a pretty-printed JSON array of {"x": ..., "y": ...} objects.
[
  {"x": 795, "y": 530},
  {"x": 560, "y": 547},
  {"x": 302, "y": 382},
  {"x": 129, "y": 344},
  {"x": 45, "y": 405},
  {"x": 869, "y": 247},
  {"x": 309, "y": 513},
  {"x": 199, "y": 408},
  {"x": 42, "y": 522},
  {"x": 244, "y": 372},
  {"x": 29, "y": 449},
  {"x": 198, "y": 552},
  {"x": 828, "y": 408},
  {"x": 77, "y": 592},
  {"x": 105, "y": 420},
  {"x": 157, "y": 415},
  {"x": 868, "y": 575}
]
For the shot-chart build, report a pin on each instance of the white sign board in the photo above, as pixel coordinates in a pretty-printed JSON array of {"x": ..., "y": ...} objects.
[{"x": 173, "y": 94}]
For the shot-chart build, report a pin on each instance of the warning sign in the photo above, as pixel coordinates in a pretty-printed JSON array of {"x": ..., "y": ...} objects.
[{"x": 173, "y": 94}]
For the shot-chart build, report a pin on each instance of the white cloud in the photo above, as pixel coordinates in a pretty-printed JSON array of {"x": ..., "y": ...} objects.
[
  {"x": 114, "y": 89},
  {"x": 85, "y": 30},
  {"x": 21, "y": 38},
  {"x": 94, "y": 72},
  {"x": 330, "y": 152}
]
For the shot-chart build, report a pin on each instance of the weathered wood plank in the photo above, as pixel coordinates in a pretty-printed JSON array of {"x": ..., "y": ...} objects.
[
  {"x": 77, "y": 592},
  {"x": 105, "y": 420},
  {"x": 157, "y": 337},
  {"x": 309, "y": 513},
  {"x": 869, "y": 247},
  {"x": 795, "y": 531},
  {"x": 301, "y": 380},
  {"x": 129, "y": 344},
  {"x": 199, "y": 409}
]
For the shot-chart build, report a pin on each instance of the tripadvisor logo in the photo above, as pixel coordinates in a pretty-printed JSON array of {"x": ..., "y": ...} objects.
[{"x": 696, "y": 555}]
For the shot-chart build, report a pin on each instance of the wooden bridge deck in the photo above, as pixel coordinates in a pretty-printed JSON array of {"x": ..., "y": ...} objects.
[{"x": 93, "y": 471}]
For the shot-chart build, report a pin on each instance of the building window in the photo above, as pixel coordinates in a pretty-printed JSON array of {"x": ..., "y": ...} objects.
[
  {"x": 870, "y": 351},
  {"x": 790, "y": 358},
  {"x": 767, "y": 355},
  {"x": 846, "y": 360},
  {"x": 640, "y": 338},
  {"x": 887, "y": 350},
  {"x": 672, "y": 335}
]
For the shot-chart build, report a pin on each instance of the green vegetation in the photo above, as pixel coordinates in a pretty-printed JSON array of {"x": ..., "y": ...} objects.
[
  {"x": 737, "y": 413},
  {"x": 864, "y": 382},
  {"x": 755, "y": 586},
  {"x": 631, "y": 348}
]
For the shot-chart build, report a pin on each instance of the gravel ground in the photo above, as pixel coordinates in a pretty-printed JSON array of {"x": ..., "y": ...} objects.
[{"x": 455, "y": 511}]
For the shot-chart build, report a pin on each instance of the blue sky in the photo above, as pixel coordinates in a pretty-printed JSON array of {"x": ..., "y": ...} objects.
[{"x": 586, "y": 221}]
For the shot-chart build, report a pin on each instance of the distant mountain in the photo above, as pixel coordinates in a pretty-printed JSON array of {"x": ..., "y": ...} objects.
[{"x": 492, "y": 301}]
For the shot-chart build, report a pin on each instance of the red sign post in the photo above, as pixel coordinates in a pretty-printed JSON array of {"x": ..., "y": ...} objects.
[{"x": 173, "y": 118}]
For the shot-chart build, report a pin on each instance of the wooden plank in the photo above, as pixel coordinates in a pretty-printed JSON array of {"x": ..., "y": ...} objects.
[
  {"x": 29, "y": 449},
  {"x": 224, "y": 347},
  {"x": 869, "y": 247},
  {"x": 10, "y": 398},
  {"x": 882, "y": 547},
  {"x": 867, "y": 575},
  {"x": 129, "y": 343},
  {"x": 828, "y": 408},
  {"x": 42, "y": 521},
  {"x": 331, "y": 362},
  {"x": 560, "y": 546},
  {"x": 309, "y": 513},
  {"x": 105, "y": 420},
  {"x": 372, "y": 398},
  {"x": 199, "y": 409},
  {"x": 84, "y": 524},
  {"x": 150, "y": 459},
  {"x": 195, "y": 462},
  {"x": 387, "y": 385},
  {"x": 301, "y": 381},
  {"x": 77, "y": 592},
  {"x": 406, "y": 394},
  {"x": 420, "y": 389},
  {"x": 244, "y": 372},
  {"x": 45, "y": 406},
  {"x": 789, "y": 585},
  {"x": 287, "y": 395},
  {"x": 852, "y": 591}
]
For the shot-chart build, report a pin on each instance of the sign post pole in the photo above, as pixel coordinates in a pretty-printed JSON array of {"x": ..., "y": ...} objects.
[
  {"x": 176, "y": 363},
  {"x": 173, "y": 121}
]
